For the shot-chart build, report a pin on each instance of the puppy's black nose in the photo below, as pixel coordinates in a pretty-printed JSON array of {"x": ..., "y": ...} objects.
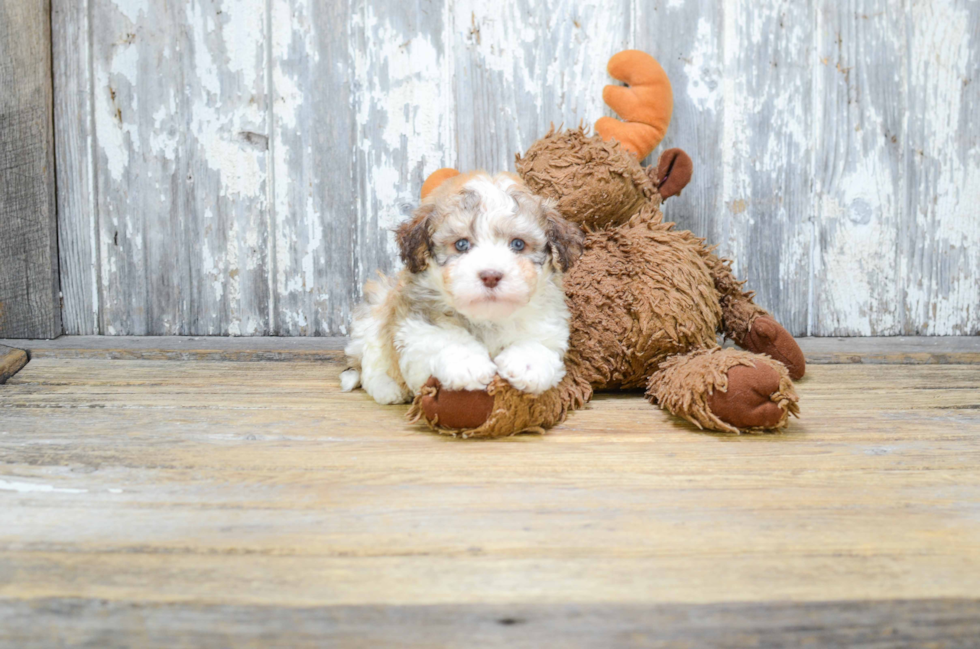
[{"x": 490, "y": 278}]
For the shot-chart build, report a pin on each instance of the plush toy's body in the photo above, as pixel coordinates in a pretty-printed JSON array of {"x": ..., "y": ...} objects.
[{"x": 647, "y": 301}]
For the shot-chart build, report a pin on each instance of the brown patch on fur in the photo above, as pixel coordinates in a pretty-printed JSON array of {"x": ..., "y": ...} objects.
[
  {"x": 565, "y": 239},
  {"x": 447, "y": 278},
  {"x": 528, "y": 273},
  {"x": 415, "y": 238}
]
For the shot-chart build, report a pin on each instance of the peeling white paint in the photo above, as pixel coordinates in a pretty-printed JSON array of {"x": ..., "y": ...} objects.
[
  {"x": 402, "y": 115},
  {"x": 134, "y": 10},
  {"x": 943, "y": 297},
  {"x": 701, "y": 70}
]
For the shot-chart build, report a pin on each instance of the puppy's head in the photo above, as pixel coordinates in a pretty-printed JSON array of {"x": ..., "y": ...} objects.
[{"x": 487, "y": 243}]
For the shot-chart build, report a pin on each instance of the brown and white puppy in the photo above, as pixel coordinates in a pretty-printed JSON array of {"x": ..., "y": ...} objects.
[{"x": 480, "y": 295}]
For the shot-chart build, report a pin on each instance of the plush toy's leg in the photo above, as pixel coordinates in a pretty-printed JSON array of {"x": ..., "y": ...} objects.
[
  {"x": 499, "y": 411},
  {"x": 725, "y": 389},
  {"x": 751, "y": 326}
]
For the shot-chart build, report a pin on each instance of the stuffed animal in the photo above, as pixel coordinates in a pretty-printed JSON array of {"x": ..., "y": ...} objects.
[{"x": 647, "y": 301}]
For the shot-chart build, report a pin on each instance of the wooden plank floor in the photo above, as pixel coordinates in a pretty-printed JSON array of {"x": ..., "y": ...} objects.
[{"x": 179, "y": 503}]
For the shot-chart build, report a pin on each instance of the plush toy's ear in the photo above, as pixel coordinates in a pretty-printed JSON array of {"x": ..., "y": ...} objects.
[
  {"x": 414, "y": 239},
  {"x": 436, "y": 178},
  {"x": 565, "y": 239},
  {"x": 672, "y": 173},
  {"x": 645, "y": 104}
]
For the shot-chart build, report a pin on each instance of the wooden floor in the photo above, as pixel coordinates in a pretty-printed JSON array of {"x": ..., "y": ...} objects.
[{"x": 188, "y": 502}]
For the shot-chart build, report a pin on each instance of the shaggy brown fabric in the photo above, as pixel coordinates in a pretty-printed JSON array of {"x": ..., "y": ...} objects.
[
  {"x": 766, "y": 336},
  {"x": 595, "y": 183},
  {"x": 673, "y": 172},
  {"x": 685, "y": 385},
  {"x": 737, "y": 308},
  {"x": 640, "y": 293}
]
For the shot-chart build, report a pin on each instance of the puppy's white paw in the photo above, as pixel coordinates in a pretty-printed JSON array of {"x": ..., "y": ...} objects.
[
  {"x": 349, "y": 379},
  {"x": 384, "y": 390},
  {"x": 460, "y": 368},
  {"x": 530, "y": 367}
]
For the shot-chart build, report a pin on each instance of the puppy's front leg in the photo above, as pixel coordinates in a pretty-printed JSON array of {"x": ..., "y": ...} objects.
[
  {"x": 531, "y": 366},
  {"x": 451, "y": 354}
]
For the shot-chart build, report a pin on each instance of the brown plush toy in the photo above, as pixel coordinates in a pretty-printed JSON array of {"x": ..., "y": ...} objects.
[{"x": 646, "y": 300}]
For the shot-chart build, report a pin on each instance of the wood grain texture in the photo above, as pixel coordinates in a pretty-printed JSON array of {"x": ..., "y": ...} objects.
[
  {"x": 768, "y": 52},
  {"x": 181, "y": 165},
  {"x": 29, "y": 300},
  {"x": 523, "y": 66},
  {"x": 11, "y": 361},
  {"x": 896, "y": 624},
  {"x": 687, "y": 38},
  {"x": 859, "y": 175},
  {"x": 78, "y": 225},
  {"x": 941, "y": 252},
  {"x": 312, "y": 140},
  {"x": 835, "y": 148},
  {"x": 401, "y": 60},
  {"x": 189, "y": 494}
]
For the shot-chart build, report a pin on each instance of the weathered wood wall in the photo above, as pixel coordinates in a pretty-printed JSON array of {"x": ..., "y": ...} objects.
[
  {"x": 29, "y": 301},
  {"x": 233, "y": 167}
]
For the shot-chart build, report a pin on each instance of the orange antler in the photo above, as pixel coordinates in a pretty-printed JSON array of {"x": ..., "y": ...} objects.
[
  {"x": 436, "y": 178},
  {"x": 645, "y": 104}
]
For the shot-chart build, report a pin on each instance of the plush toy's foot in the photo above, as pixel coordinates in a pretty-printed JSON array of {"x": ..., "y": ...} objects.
[
  {"x": 499, "y": 411},
  {"x": 725, "y": 389},
  {"x": 458, "y": 409},
  {"x": 747, "y": 402},
  {"x": 766, "y": 336}
]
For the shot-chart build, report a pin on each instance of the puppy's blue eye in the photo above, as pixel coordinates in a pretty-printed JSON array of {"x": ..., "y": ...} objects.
[
  {"x": 517, "y": 245},
  {"x": 463, "y": 245}
]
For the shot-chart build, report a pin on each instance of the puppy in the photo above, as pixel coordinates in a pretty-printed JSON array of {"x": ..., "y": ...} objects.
[{"x": 480, "y": 295}]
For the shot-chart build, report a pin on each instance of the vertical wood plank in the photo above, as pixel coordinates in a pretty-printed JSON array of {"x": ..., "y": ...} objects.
[
  {"x": 312, "y": 142},
  {"x": 77, "y": 209},
  {"x": 404, "y": 117},
  {"x": 29, "y": 287},
  {"x": 941, "y": 232},
  {"x": 766, "y": 149},
  {"x": 521, "y": 66},
  {"x": 859, "y": 178},
  {"x": 686, "y": 38},
  {"x": 182, "y": 148}
]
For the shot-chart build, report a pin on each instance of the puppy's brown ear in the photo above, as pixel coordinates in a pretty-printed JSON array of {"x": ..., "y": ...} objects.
[
  {"x": 414, "y": 239},
  {"x": 565, "y": 239}
]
